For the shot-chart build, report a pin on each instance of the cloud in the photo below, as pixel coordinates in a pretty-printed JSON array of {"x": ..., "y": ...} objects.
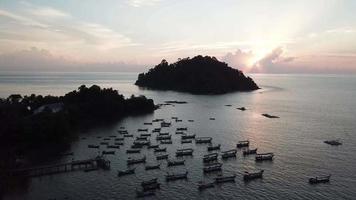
[
  {"x": 35, "y": 59},
  {"x": 140, "y": 3},
  {"x": 48, "y": 12},
  {"x": 239, "y": 59}
]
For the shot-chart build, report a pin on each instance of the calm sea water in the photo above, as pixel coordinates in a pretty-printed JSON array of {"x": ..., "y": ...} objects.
[{"x": 313, "y": 108}]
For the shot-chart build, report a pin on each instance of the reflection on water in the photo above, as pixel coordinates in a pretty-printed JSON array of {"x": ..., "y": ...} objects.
[{"x": 312, "y": 109}]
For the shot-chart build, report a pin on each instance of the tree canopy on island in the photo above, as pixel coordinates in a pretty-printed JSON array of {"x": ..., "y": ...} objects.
[
  {"x": 198, "y": 75},
  {"x": 36, "y": 119}
]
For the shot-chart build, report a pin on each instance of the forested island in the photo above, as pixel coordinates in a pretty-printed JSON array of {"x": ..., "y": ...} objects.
[
  {"x": 198, "y": 75},
  {"x": 29, "y": 122}
]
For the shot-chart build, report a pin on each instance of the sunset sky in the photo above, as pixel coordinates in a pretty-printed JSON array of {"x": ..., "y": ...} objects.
[{"x": 275, "y": 36}]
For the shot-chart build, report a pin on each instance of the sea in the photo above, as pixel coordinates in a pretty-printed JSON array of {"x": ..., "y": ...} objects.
[{"x": 312, "y": 109}]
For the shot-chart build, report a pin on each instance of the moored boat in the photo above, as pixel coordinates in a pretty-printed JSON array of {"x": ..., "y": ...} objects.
[
  {"x": 203, "y": 186},
  {"x": 212, "y": 167},
  {"x": 145, "y": 134},
  {"x": 203, "y": 140},
  {"x": 149, "y": 182},
  {"x": 229, "y": 154},
  {"x": 153, "y": 146},
  {"x": 223, "y": 179},
  {"x": 150, "y": 167},
  {"x": 171, "y": 177},
  {"x": 125, "y": 172},
  {"x": 119, "y": 139},
  {"x": 113, "y": 147},
  {"x": 141, "y": 194},
  {"x": 128, "y": 135},
  {"x": 321, "y": 179},
  {"x": 188, "y": 137},
  {"x": 163, "y": 137},
  {"x": 175, "y": 162},
  {"x": 182, "y": 129},
  {"x": 142, "y": 130},
  {"x": 184, "y": 152},
  {"x": 166, "y": 142},
  {"x": 108, "y": 152},
  {"x": 210, "y": 157},
  {"x": 264, "y": 156},
  {"x": 186, "y": 141},
  {"x": 179, "y": 132},
  {"x": 243, "y": 143},
  {"x": 131, "y": 161},
  {"x": 333, "y": 142},
  {"x": 246, "y": 152},
  {"x": 253, "y": 175},
  {"x": 93, "y": 146},
  {"x": 162, "y": 157},
  {"x": 212, "y": 148},
  {"x": 133, "y": 151},
  {"x": 166, "y": 133},
  {"x": 160, "y": 149}
]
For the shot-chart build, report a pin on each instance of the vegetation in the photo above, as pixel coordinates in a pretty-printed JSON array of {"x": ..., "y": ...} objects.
[
  {"x": 32, "y": 121},
  {"x": 198, "y": 75}
]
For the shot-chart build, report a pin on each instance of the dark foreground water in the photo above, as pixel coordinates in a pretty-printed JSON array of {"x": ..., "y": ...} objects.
[{"x": 312, "y": 108}]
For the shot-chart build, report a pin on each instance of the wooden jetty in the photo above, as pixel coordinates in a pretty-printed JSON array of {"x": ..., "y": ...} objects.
[{"x": 79, "y": 165}]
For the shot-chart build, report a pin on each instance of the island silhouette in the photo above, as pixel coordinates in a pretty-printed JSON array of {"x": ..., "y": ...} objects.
[{"x": 197, "y": 75}]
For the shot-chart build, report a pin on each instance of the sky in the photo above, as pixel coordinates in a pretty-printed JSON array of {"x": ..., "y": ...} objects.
[{"x": 255, "y": 36}]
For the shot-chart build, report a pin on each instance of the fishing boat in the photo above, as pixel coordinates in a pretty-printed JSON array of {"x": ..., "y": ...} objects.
[
  {"x": 182, "y": 129},
  {"x": 165, "y": 124},
  {"x": 160, "y": 149},
  {"x": 119, "y": 139},
  {"x": 228, "y": 154},
  {"x": 163, "y": 137},
  {"x": 210, "y": 157},
  {"x": 269, "y": 116},
  {"x": 147, "y": 123},
  {"x": 125, "y": 172},
  {"x": 157, "y": 120},
  {"x": 223, "y": 179},
  {"x": 172, "y": 177},
  {"x": 253, "y": 175},
  {"x": 149, "y": 182},
  {"x": 175, "y": 162},
  {"x": 142, "y": 142},
  {"x": 246, "y": 152},
  {"x": 151, "y": 187},
  {"x": 162, "y": 157},
  {"x": 333, "y": 142},
  {"x": 104, "y": 143},
  {"x": 241, "y": 108},
  {"x": 128, "y": 135},
  {"x": 153, "y": 146},
  {"x": 203, "y": 186},
  {"x": 321, "y": 179},
  {"x": 179, "y": 120},
  {"x": 106, "y": 139},
  {"x": 113, "y": 147},
  {"x": 132, "y": 161},
  {"x": 166, "y": 142},
  {"x": 166, "y": 133},
  {"x": 142, "y": 130},
  {"x": 188, "y": 137},
  {"x": 133, "y": 151},
  {"x": 179, "y": 132},
  {"x": 141, "y": 194},
  {"x": 122, "y": 127},
  {"x": 145, "y": 134},
  {"x": 184, "y": 152},
  {"x": 243, "y": 143},
  {"x": 123, "y": 132},
  {"x": 156, "y": 130},
  {"x": 137, "y": 146},
  {"x": 212, "y": 118},
  {"x": 212, "y": 148},
  {"x": 141, "y": 137},
  {"x": 107, "y": 152},
  {"x": 212, "y": 167},
  {"x": 203, "y": 140},
  {"x": 190, "y": 120},
  {"x": 118, "y": 143},
  {"x": 264, "y": 156},
  {"x": 186, "y": 141},
  {"x": 93, "y": 146},
  {"x": 150, "y": 167}
]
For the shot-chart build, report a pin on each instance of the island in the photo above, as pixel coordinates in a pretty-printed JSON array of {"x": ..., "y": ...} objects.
[
  {"x": 198, "y": 75},
  {"x": 34, "y": 122}
]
